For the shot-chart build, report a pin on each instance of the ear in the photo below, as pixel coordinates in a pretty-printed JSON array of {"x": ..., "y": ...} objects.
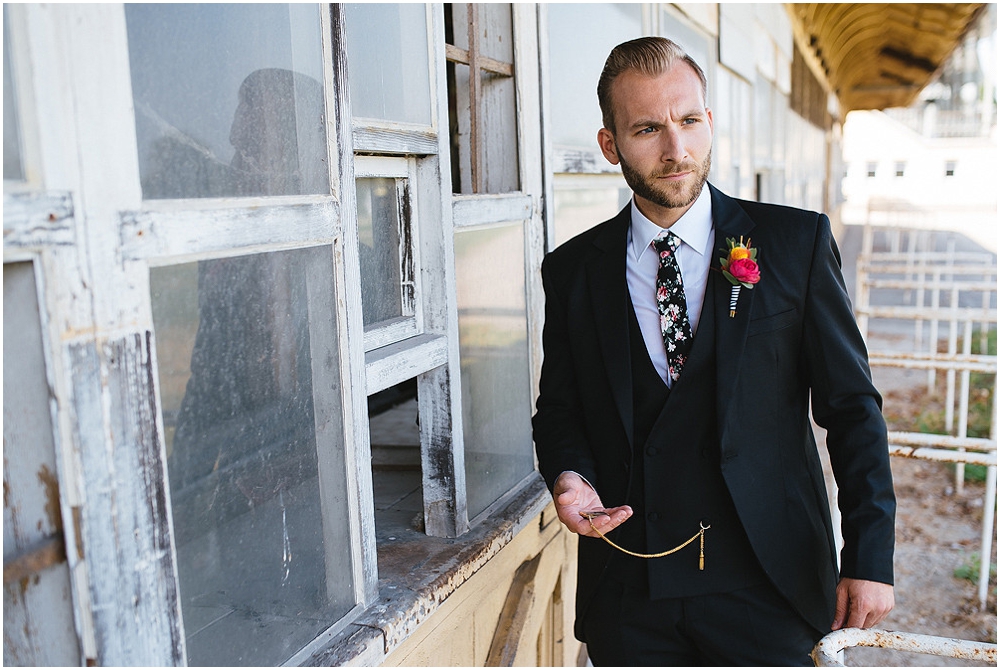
[
  {"x": 711, "y": 121},
  {"x": 608, "y": 147}
]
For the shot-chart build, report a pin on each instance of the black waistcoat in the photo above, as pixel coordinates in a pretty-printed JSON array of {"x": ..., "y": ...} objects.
[{"x": 676, "y": 480}]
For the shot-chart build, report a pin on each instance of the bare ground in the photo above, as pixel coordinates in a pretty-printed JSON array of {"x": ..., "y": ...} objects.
[{"x": 937, "y": 531}]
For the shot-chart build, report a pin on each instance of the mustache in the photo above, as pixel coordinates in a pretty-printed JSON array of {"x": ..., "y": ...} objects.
[{"x": 677, "y": 169}]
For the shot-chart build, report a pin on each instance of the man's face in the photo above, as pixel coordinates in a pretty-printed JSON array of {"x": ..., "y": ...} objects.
[{"x": 662, "y": 139}]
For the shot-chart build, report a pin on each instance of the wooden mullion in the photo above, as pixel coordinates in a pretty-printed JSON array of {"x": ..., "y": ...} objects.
[
  {"x": 496, "y": 66},
  {"x": 474, "y": 97},
  {"x": 456, "y": 55}
]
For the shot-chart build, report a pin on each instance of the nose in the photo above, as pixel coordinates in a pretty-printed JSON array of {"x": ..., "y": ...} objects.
[{"x": 672, "y": 149}]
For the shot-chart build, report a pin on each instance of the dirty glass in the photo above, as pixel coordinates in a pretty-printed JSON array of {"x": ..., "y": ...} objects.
[
  {"x": 12, "y": 166},
  {"x": 580, "y": 38},
  {"x": 493, "y": 341},
  {"x": 388, "y": 61},
  {"x": 228, "y": 99},
  {"x": 378, "y": 237},
  {"x": 247, "y": 361}
]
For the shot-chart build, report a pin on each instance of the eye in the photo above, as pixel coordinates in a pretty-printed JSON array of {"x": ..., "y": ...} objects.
[
  {"x": 647, "y": 130},
  {"x": 691, "y": 120}
]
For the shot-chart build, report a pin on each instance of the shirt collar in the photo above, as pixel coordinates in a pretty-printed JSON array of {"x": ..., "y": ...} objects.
[{"x": 693, "y": 228}]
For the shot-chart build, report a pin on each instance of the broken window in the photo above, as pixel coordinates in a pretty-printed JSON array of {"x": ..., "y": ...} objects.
[{"x": 394, "y": 427}]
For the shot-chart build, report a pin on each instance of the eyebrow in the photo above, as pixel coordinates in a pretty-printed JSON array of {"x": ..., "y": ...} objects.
[{"x": 646, "y": 123}]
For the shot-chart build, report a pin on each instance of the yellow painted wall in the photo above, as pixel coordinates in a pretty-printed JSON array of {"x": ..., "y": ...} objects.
[{"x": 461, "y": 631}]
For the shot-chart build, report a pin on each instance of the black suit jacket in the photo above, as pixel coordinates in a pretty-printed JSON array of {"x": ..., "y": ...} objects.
[{"x": 793, "y": 335}]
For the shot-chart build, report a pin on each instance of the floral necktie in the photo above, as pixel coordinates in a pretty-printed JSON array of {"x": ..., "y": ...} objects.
[{"x": 672, "y": 305}]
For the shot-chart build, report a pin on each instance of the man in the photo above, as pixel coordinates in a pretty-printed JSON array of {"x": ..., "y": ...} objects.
[{"x": 678, "y": 395}]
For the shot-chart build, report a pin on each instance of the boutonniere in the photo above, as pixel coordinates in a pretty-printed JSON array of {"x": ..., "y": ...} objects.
[{"x": 740, "y": 268}]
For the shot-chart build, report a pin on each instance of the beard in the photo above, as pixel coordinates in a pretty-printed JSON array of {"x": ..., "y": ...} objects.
[{"x": 671, "y": 196}]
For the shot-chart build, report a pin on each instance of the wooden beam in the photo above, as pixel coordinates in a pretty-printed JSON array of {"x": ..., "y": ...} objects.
[
  {"x": 517, "y": 606},
  {"x": 456, "y": 55},
  {"x": 475, "y": 94}
]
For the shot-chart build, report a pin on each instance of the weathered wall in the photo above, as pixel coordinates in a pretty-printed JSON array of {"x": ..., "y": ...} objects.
[{"x": 505, "y": 614}]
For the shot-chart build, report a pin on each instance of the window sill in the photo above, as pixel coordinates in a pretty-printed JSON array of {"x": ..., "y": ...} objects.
[{"x": 417, "y": 573}]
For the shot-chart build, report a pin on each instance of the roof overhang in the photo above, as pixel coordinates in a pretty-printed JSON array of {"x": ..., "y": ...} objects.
[{"x": 874, "y": 56}]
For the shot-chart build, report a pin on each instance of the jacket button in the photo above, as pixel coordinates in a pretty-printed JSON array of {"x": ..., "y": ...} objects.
[
  {"x": 653, "y": 516},
  {"x": 652, "y": 451}
]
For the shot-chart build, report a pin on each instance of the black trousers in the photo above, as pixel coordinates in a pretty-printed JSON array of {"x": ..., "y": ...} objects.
[{"x": 754, "y": 626}]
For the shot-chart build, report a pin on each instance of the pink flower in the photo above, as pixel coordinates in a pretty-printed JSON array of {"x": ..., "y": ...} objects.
[{"x": 745, "y": 270}]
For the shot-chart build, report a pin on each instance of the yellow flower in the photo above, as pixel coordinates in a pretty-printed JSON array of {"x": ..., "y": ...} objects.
[{"x": 737, "y": 253}]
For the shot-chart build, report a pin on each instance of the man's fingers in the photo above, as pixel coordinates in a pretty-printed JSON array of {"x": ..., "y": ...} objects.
[
  {"x": 605, "y": 523},
  {"x": 857, "y": 616},
  {"x": 861, "y": 603},
  {"x": 840, "y": 613}
]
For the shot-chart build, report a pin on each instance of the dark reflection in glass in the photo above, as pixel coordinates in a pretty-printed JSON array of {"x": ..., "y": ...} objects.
[
  {"x": 378, "y": 235},
  {"x": 254, "y": 465},
  {"x": 228, "y": 100}
]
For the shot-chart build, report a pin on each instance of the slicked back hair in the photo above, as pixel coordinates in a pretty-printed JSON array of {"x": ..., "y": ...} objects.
[{"x": 651, "y": 56}]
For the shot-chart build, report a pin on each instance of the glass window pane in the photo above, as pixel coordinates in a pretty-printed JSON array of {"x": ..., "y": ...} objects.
[
  {"x": 228, "y": 99},
  {"x": 580, "y": 38},
  {"x": 12, "y": 166},
  {"x": 584, "y": 202},
  {"x": 388, "y": 60},
  {"x": 493, "y": 340},
  {"x": 378, "y": 233},
  {"x": 694, "y": 42},
  {"x": 247, "y": 360}
]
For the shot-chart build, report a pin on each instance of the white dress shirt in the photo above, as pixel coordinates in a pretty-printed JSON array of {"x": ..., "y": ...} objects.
[{"x": 694, "y": 256}]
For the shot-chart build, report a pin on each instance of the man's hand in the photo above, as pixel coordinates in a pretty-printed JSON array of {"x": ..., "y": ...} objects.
[
  {"x": 573, "y": 495},
  {"x": 861, "y": 603}
]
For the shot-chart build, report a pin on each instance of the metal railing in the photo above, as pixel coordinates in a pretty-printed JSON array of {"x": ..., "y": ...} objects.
[
  {"x": 938, "y": 288},
  {"x": 829, "y": 652}
]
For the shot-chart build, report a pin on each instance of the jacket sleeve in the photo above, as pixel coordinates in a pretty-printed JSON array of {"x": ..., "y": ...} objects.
[
  {"x": 561, "y": 442},
  {"x": 847, "y": 405}
]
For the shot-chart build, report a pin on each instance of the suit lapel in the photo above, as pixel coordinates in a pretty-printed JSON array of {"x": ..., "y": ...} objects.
[
  {"x": 730, "y": 332},
  {"x": 609, "y": 295}
]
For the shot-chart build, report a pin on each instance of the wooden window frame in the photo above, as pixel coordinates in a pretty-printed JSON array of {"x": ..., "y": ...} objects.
[
  {"x": 477, "y": 64},
  {"x": 396, "y": 137},
  {"x": 81, "y": 218}
]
